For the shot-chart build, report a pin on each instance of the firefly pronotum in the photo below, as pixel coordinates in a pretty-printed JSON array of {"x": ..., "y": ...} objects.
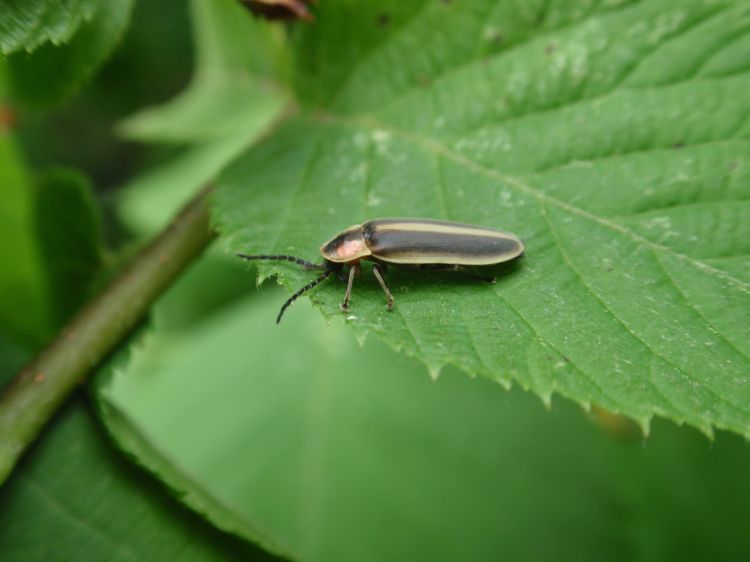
[{"x": 415, "y": 242}]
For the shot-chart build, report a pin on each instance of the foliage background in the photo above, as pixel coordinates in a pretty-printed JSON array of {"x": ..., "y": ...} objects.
[{"x": 298, "y": 439}]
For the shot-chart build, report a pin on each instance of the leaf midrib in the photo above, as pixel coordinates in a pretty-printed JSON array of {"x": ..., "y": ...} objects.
[{"x": 437, "y": 148}]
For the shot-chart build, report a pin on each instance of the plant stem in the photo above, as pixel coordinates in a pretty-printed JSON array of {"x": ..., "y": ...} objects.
[{"x": 41, "y": 386}]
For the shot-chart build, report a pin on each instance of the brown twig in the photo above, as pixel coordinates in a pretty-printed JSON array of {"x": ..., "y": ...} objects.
[{"x": 41, "y": 386}]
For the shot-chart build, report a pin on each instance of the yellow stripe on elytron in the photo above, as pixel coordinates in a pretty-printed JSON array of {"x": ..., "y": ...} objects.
[
  {"x": 447, "y": 259},
  {"x": 446, "y": 229}
]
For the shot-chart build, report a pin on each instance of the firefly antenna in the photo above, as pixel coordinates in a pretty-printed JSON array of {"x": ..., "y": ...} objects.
[
  {"x": 307, "y": 287},
  {"x": 299, "y": 261}
]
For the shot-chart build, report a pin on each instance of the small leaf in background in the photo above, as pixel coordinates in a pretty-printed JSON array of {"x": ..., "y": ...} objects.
[
  {"x": 148, "y": 200},
  {"x": 27, "y": 24},
  {"x": 23, "y": 298},
  {"x": 236, "y": 92},
  {"x": 70, "y": 239},
  {"x": 52, "y": 73},
  {"x": 611, "y": 137},
  {"x": 51, "y": 251},
  {"x": 13, "y": 355},
  {"x": 238, "y": 85},
  {"x": 316, "y": 448}
]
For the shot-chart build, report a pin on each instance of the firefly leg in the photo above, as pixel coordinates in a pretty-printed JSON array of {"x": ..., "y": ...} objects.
[
  {"x": 353, "y": 270},
  {"x": 471, "y": 273},
  {"x": 468, "y": 271},
  {"x": 376, "y": 271}
]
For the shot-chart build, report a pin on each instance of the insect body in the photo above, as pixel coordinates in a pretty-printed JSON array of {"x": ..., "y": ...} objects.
[{"x": 415, "y": 242}]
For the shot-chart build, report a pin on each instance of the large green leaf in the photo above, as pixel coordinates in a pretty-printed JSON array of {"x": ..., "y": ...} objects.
[
  {"x": 611, "y": 136},
  {"x": 27, "y": 24},
  {"x": 52, "y": 73},
  {"x": 75, "y": 498},
  {"x": 300, "y": 439}
]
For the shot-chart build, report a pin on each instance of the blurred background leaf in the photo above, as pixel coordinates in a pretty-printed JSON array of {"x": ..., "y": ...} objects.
[
  {"x": 23, "y": 302},
  {"x": 52, "y": 73},
  {"x": 76, "y": 498},
  {"x": 52, "y": 250},
  {"x": 27, "y": 24},
  {"x": 69, "y": 230},
  {"x": 237, "y": 90},
  {"x": 238, "y": 83},
  {"x": 299, "y": 439}
]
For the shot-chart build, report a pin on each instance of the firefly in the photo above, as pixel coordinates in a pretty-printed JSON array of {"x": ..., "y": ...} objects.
[{"x": 424, "y": 243}]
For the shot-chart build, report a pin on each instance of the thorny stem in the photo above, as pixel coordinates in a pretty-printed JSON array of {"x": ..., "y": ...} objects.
[{"x": 38, "y": 389}]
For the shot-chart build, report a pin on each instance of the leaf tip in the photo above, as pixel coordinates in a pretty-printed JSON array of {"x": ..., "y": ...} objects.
[
  {"x": 505, "y": 383},
  {"x": 434, "y": 371},
  {"x": 359, "y": 335},
  {"x": 546, "y": 398},
  {"x": 707, "y": 430},
  {"x": 644, "y": 423}
]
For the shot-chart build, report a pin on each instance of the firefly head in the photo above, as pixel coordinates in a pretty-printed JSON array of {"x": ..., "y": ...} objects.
[{"x": 349, "y": 245}]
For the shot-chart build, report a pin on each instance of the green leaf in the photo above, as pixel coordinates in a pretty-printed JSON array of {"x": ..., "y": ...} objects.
[
  {"x": 320, "y": 449},
  {"x": 12, "y": 357},
  {"x": 51, "y": 251},
  {"x": 23, "y": 298},
  {"x": 236, "y": 92},
  {"x": 612, "y": 137},
  {"x": 70, "y": 239},
  {"x": 147, "y": 202},
  {"x": 27, "y": 24},
  {"x": 74, "y": 498},
  {"x": 237, "y": 87},
  {"x": 51, "y": 74}
]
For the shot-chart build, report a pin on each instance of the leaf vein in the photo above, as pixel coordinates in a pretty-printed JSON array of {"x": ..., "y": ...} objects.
[
  {"x": 304, "y": 177},
  {"x": 520, "y": 185},
  {"x": 624, "y": 324},
  {"x": 509, "y": 51},
  {"x": 440, "y": 187},
  {"x": 80, "y": 521},
  {"x": 546, "y": 342},
  {"x": 367, "y": 187},
  {"x": 373, "y": 49},
  {"x": 679, "y": 205},
  {"x": 695, "y": 308},
  {"x": 626, "y": 153},
  {"x": 440, "y": 184},
  {"x": 709, "y": 54}
]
